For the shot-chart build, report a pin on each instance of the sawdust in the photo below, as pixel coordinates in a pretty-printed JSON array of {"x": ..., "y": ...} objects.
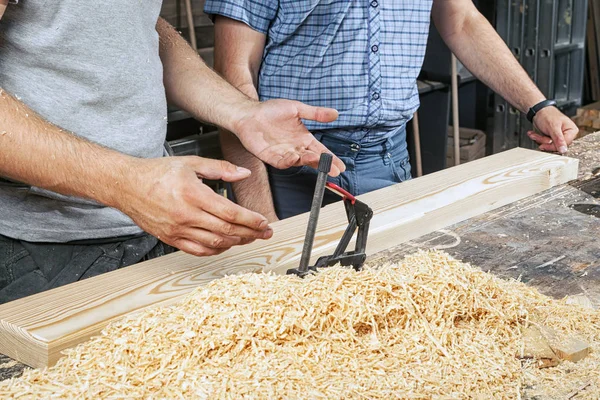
[
  {"x": 428, "y": 327},
  {"x": 587, "y": 151}
]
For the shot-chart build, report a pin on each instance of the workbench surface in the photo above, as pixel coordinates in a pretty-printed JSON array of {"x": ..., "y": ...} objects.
[{"x": 550, "y": 241}]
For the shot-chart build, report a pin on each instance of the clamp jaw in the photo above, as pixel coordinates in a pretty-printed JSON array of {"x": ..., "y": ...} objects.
[{"x": 359, "y": 216}]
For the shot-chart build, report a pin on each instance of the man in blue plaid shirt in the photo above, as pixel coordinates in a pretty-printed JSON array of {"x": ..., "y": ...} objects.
[{"x": 361, "y": 57}]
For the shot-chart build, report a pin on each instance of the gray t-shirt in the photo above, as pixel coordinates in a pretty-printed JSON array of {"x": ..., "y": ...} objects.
[{"x": 90, "y": 67}]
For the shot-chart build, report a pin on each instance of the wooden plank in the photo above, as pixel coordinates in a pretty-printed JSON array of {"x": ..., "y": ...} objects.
[
  {"x": 595, "y": 12},
  {"x": 593, "y": 35},
  {"x": 36, "y": 329}
]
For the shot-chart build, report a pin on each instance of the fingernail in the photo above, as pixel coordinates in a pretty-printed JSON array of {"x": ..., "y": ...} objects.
[
  {"x": 267, "y": 234},
  {"x": 563, "y": 149},
  {"x": 264, "y": 225},
  {"x": 242, "y": 170}
]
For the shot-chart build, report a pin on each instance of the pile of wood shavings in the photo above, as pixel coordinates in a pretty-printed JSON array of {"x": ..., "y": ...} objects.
[{"x": 427, "y": 327}]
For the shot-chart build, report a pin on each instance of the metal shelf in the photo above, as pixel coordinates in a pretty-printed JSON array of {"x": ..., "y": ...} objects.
[{"x": 547, "y": 37}]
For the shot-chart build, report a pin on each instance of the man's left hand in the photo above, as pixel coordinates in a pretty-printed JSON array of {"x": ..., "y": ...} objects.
[
  {"x": 557, "y": 130},
  {"x": 273, "y": 131}
]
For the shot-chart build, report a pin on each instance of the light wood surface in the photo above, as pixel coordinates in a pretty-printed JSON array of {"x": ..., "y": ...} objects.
[
  {"x": 455, "y": 109},
  {"x": 36, "y": 329},
  {"x": 189, "y": 12},
  {"x": 417, "y": 141}
]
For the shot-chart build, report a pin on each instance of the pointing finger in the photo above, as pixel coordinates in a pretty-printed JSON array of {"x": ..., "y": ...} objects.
[
  {"x": 540, "y": 139},
  {"x": 217, "y": 169},
  {"x": 548, "y": 147}
]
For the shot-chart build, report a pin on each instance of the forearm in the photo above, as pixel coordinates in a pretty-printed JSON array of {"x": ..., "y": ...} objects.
[
  {"x": 35, "y": 152},
  {"x": 253, "y": 193},
  {"x": 3, "y": 4},
  {"x": 238, "y": 55},
  {"x": 477, "y": 45},
  {"x": 192, "y": 86}
]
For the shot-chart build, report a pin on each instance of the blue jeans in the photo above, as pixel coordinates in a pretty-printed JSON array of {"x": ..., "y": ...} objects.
[{"x": 371, "y": 164}]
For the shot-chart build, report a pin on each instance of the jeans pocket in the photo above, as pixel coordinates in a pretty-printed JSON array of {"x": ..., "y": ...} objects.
[
  {"x": 7, "y": 260},
  {"x": 402, "y": 170}
]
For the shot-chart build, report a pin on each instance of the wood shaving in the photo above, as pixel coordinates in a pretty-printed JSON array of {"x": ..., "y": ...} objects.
[{"x": 427, "y": 327}]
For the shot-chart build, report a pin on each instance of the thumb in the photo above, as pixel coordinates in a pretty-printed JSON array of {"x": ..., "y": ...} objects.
[
  {"x": 217, "y": 169},
  {"x": 319, "y": 114},
  {"x": 558, "y": 138}
]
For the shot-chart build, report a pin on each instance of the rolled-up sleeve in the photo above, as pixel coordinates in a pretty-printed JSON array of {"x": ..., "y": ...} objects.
[{"x": 257, "y": 14}]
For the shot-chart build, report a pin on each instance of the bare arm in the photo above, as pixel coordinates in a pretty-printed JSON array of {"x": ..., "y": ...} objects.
[
  {"x": 272, "y": 131},
  {"x": 238, "y": 55},
  {"x": 3, "y": 4},
  {"x": 192, "y": 86},
  {"x": 482, "y": 51},
  {"x": 38, "y": 153},
  {"x": 163, "y": 196}
]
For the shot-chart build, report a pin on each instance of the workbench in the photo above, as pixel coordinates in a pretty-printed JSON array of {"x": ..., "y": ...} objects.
[{"x": 550, "y": 241}]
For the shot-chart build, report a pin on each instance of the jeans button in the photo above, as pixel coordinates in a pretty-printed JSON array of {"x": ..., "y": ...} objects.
[{"x": 355, "y": 147}]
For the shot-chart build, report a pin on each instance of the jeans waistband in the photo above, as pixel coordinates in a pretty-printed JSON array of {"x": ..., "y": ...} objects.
[{"x": 363, "y": 135}]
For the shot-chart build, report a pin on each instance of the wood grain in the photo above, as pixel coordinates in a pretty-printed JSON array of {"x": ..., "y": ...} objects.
[{"x": 34, "y": 330}]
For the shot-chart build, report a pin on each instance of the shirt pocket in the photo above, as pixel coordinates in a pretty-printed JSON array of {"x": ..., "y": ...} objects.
[{"x": 303, "y": 19}]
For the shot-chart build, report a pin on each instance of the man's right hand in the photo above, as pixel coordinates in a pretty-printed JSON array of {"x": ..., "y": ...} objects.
[
  {"x": 169, "y": 200},
  {"x": 273, "y": 131}
]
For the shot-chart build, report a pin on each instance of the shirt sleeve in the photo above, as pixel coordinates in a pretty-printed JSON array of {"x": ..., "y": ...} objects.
[{"x": 257, "y": 14}]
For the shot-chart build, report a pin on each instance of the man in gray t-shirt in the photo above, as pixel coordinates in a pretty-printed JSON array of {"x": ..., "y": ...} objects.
[{"x": 83, "y": 111}]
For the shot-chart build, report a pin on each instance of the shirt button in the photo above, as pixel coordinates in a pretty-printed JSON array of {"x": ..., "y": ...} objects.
[
  {"x": 374, "y": 3},
  {"x": 375, "y": 96},
  {"x": 374, "y": 48}
]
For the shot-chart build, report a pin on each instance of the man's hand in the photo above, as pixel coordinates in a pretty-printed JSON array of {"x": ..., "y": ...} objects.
[
  {"x": 169, "y": 200},
  {"x": 558, "y": 130},
  {"x": 273, "y": 131}
]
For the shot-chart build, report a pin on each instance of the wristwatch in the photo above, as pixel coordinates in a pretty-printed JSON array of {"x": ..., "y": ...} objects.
[{"x": 535, "y": 109}]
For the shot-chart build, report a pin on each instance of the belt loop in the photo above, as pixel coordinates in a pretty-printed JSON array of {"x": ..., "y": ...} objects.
[{"x": 389, "y": 144}]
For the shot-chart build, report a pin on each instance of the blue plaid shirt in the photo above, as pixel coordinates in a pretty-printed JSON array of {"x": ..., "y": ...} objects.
[{"x": 361, "y": 57}]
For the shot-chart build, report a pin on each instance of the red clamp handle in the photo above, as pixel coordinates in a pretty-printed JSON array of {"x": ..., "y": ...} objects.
[{"x": 341, "y": 192}]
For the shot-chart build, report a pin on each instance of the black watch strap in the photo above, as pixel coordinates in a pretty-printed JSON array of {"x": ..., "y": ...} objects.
[{"x": 535, "y": 109}]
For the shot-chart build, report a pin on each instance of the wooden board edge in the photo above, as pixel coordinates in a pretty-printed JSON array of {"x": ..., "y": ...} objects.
[{"x": 36, "y": 351}]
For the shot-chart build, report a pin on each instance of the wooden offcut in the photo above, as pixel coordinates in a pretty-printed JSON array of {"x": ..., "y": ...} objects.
[
  {"x": 472, "y": 145},
  {"x": 569, "y": 348},
  {"x": 587, "y": 119},
  {"x": 36, "y": 329},
  {"x": 536, "y": 347}
]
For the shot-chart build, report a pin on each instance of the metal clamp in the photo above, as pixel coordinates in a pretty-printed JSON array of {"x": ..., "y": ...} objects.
[{"x": 359, "y": 217}]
